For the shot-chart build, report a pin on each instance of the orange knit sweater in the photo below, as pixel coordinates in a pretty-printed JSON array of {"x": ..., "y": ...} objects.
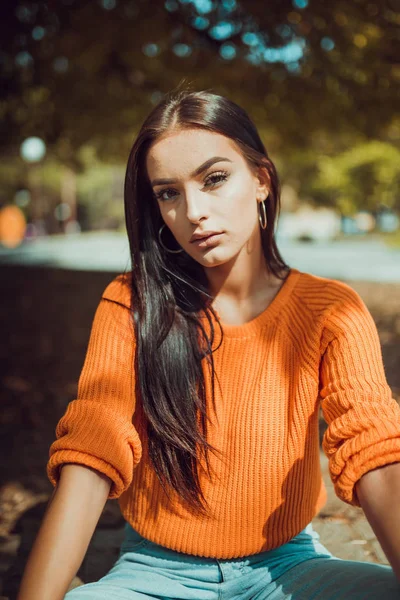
[{"x": 315, "y": 345}]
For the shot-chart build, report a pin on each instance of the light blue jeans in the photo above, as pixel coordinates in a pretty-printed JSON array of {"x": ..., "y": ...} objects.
[{"x": 301, "y": 569}]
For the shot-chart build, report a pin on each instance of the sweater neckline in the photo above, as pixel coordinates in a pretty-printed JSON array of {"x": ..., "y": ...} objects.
[{"x": 253, "y": 326}]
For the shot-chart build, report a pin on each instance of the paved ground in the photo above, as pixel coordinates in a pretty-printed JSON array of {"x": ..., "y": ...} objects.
[
  {"x": 45, "y": 318},
  {"x": 360, "y": 258}
]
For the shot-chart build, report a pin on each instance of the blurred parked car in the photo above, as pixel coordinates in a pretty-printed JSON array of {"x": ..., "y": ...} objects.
[{"x": 309, "y": 224}]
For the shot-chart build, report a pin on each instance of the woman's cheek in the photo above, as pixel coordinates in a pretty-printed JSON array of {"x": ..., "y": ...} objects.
[{"x": 168, "y": 215}]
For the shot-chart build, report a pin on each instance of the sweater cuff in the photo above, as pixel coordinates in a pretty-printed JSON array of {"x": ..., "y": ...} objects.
[
  {"x": 94, "y": 435},
  {"x": 347, "y": 464}
]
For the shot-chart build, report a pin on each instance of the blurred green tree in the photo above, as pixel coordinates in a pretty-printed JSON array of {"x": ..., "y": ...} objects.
[
  {"x": 86, "y": 72},
  {"x": 362, "y": 177}
]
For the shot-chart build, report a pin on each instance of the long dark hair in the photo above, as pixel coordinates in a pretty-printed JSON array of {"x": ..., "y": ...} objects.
[{"x": 170, "y": 298}]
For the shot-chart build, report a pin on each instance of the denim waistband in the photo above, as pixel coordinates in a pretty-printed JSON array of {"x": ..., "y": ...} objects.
[{"x": 306, "y": 540}]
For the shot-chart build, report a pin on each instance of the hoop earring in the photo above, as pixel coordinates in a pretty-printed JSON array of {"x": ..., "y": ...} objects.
[
  {"x": 262, "y": 215},
  {"x": 165, "y": 248}
]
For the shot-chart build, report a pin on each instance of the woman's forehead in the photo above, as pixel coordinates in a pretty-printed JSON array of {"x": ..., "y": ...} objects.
[{"x": 186, "y": 150}]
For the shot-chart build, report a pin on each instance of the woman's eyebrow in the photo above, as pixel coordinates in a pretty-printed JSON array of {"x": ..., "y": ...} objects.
[{"x": 197, "y": 171}]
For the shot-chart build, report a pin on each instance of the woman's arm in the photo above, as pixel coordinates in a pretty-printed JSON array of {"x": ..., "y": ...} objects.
[
  {"x": 378, "y": 492},
  {"x": 65, "y": 533}
]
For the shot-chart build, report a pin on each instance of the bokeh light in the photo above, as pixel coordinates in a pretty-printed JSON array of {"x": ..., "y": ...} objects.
[
  {"x": 200, "y": 23},
  {"x": 151, "y": 50},
  {"x": 300, "y": 3},
  {"x": 229, "y": 5},
  {"x": 26, "y": 14},
  {"x": 228, "y": 51},
  {"x": 327, "y": 44},
  {"x": 203, "y": 7},
  {"x": 250, "y": 38},
  {"x": 293, "y": 67},
  {"x": 23, "y": 59},
  {"x": 22, "y": 198},
  {"x": 284, "y": 31},
  {"x": 182, "y": 50},
  {"x": 38, "y": 33},
  {"x": 171, "y": 5},
  {"x": 222, "y": 30},
  {"x": 108, "y": 4},
  {"x": 33, "y": 149},
  {"x": 290, "y": 53},
  {"x": 156, "y": 97},
  {"x": 62, "y": 211},
  {"x": 12, "y": 226},
  {"x": 360, "y": 40}
]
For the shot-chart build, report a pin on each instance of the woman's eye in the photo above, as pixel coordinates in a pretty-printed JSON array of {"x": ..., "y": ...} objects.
[
  {"x": 210, "y": 181},
  {"x": 159, "y": 195},
  {"x": 215, "y": 178}
]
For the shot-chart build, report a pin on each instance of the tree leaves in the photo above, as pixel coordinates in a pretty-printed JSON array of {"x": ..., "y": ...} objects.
[{"x": 88, "y": 72}]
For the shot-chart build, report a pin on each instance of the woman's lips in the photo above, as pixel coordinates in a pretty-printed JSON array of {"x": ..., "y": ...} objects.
[{"x": 211, "y": 240}]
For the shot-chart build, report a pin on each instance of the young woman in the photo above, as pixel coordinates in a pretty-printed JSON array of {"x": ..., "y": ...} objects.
[{"x": 199, "y": 396}]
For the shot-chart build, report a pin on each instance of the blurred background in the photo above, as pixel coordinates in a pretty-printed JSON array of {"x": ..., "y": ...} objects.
[{"x": 322, "y": 83}]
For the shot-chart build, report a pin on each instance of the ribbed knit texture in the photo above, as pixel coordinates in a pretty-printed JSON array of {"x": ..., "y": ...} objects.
[{"x": 315, "y": 344}]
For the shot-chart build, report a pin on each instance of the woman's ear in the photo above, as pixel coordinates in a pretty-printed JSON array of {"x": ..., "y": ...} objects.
[{"x": 264, "y": 183}]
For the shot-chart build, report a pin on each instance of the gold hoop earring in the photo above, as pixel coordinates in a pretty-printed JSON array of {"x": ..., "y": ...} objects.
[
  {"x": 262, "y": 215},
  {"x": 161, "y": 242}
]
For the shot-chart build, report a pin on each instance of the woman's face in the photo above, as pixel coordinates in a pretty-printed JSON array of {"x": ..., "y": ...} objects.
[{"x": 210, "y": 187}]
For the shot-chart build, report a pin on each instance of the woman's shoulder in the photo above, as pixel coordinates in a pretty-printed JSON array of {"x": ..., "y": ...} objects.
[
  {"x": 325, "y": 290},
  {"x": 327, "y": 299},
  {"x": 119, "y": 289}
]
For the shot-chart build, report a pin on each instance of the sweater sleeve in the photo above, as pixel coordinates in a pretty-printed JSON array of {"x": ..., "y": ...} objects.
[
  {"x": 96, "y": 429},
  {"x": 363, "y": 418}
]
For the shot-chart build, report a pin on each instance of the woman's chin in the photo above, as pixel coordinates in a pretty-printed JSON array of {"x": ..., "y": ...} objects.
[{"x": 213, "y": 258}]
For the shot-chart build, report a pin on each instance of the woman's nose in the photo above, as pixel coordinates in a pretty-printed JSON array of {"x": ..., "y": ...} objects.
[{"x": 196, "y": 205}]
